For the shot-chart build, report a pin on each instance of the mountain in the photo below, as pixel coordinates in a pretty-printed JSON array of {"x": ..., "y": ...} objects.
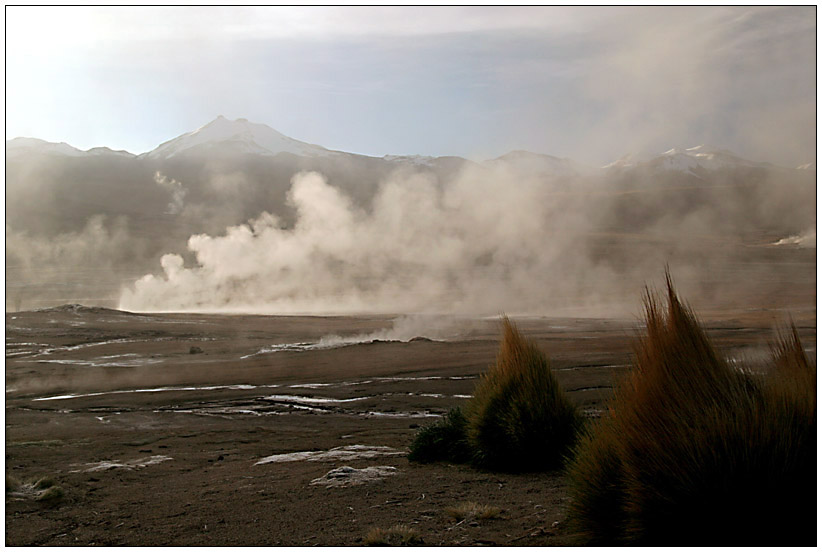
[
  {"x": 239, "y": 137},
  {"x": 693, "y": 161},
  {"x": 81, "y": 224},
  {"x": 24, "y": 146},
  {"x": 34, "y": 146},
  {"x": 537, "y": 164}
]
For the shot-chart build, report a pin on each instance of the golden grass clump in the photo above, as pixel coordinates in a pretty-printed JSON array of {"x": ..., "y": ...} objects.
[
  {"x": 398, "y": 535},
  {"x": 696, "y": 452},
  {"x": 472, "y": 511},
  {"x": 519, "y": 418}
]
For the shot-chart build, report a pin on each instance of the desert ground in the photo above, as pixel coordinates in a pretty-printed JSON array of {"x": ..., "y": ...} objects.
[{"x": 195, "y": 429}]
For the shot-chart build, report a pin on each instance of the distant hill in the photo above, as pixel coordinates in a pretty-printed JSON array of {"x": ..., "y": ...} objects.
[{"x": 82, "y": 224}]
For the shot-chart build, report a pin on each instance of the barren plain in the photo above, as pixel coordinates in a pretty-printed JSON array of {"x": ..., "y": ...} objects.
[{"x": 205, "y": 429}]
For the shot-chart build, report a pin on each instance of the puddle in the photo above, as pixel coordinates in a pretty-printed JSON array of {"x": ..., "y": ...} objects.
[
  {"x": 227, "y": 411},
  {"x": 591, "y": 366},
  {"x": 418, "y": 414},
  {"x": 155, "y": 390},
  {"x": 346, "y": 476},
  {"x": 425, "y": 378},
  {"x": 321, "y": 385},
  {"x": 314, "y": 400},
  {"x": 129, "y": 465},
  {"x": 591, "y": 388},
  {"x": 53, "y": 350},
  {"x": 269, "y": 410},
  {"x": 348, "y": 452},
  {"x": 380, "y": 379},
  {"x": 323, "y": 345},
  {"x": 128, "y": 360}
]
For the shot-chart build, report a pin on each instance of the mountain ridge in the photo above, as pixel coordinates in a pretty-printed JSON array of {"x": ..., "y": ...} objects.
[{"x": 241, "y": 136}]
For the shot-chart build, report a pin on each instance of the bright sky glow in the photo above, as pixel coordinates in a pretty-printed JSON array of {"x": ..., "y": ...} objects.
[{"x": 589, "y": 83}]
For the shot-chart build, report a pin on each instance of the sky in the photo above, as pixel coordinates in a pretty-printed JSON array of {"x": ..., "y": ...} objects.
[{"x": 590, "y": 83}]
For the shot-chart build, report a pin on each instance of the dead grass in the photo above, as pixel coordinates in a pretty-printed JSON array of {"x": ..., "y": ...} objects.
[
  {"x": 696, "y": 452},
  {"x": 12, "y": 484},
  {"x": 51, "y": 495},
  {"x": 42, "y": 490},
  {"x": 519, "y": 418},
  {"x": 44, "y": 483},
  {"x": 398, "y": 535},
  {"x": 472, "y": 511}
]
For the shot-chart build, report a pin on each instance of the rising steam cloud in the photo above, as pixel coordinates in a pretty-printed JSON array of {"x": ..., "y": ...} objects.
[
  {"x": 175, "y": 188},
  {"x": 486, "y": 241},
  {"x": 481, "y": 243}
]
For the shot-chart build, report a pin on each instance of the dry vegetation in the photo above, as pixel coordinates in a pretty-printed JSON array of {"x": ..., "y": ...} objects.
[
  {"x": 472, "y": 511},
  {"x": 697, "y": 452},
  {"x": 694, "y": 450},
  {"x": 398, "y": 535},
  {"x": 42, "y": 490},
  {"x": 519, "y": 418}
]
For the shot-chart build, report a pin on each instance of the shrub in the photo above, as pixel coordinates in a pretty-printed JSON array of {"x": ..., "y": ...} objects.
[
  {"x": 398, "y": 535},
  {"x": 51, "y": 495},
  {"x": 697, "y": 452},
  {"x": 597, "y": 485},
  {"x": 12, "y": 484},
  {"x": 44, "y": 483},
  {"x": 472, "y": 511},
  {"x": 443, "y": 440},
  {"x": 519, "y": 418}
]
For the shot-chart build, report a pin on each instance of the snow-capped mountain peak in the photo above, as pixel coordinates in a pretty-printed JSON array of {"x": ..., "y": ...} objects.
[
  {"x": 239, "y": 136},
  {"x": 688, "y": 160},
  {"x": 626, "y": 161}
]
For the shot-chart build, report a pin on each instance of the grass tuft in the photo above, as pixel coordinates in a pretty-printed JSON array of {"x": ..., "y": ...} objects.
[
  {"x": 398, "y": 535},
  {"x": 472, "y": 511},
  {"x": 519, "y": 418},
  {"x": 12, "y": 484},
  {"x": 442, "y": 441},
  {"x": 51, "y": 495},
  {"x": 44, "y": 483},
  {"x": 696, "y": 452}
]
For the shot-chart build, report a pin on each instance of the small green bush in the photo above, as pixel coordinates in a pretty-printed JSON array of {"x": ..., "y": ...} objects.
[
  {"x": 696, "y": 452},
  {"x": 442, "y": 441},
  {"x": 519, "y": 418}
]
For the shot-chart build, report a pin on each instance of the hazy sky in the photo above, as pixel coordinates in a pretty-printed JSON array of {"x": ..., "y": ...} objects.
[{"x": 591, "y": 83}]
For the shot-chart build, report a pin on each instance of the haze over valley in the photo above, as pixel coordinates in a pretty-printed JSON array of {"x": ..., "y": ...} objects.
[{"x": 235, "y": 216}]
